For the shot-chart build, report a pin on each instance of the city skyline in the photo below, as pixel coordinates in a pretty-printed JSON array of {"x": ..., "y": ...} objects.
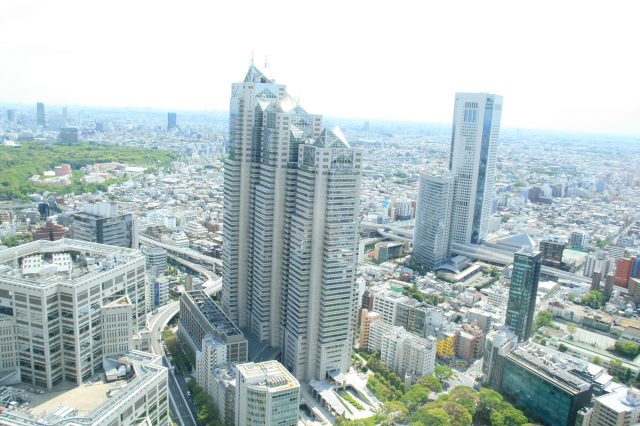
[{"x": 552, "y": 80}]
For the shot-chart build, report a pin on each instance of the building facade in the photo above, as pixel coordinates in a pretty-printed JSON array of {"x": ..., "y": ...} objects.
[
  {"x": 266, "y": 394},
  {"x": 522, "y": 292},
  {"x": 472, "y": 162},
  {"x": 433, "y": 219},
  {"x": 56, "y": 292},
  {"x": 101, "y": 223},
  {"x": 291, "y": 204}
]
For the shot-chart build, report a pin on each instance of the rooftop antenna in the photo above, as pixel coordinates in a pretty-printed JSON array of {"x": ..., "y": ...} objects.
[
  {"x": 266, "y": 63},
  {"x": 252, "y": 58}
]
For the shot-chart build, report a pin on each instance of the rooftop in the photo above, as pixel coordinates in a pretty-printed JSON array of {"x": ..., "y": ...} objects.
[
  {"x": 89, "y": 403},
  {"x": 40, "y": 262},
  {"x": 550, "y": 364},
  {"x": 268, "y": 374},
  {"x": 218, "y": 319}
]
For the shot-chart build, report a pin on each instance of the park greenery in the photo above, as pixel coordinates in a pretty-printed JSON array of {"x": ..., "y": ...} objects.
[
  {"x": 543, "y": 319},
  {"x": 207, "y": 414},
  {"x": 423, "y": 403},
  {"x": 19, "y": 163}
]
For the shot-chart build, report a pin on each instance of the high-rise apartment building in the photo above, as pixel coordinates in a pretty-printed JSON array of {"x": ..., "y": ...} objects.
[
  {"x": 291, "y": 204},
  {"x": 172, "y": 121},
  {"x": 472, "y": 162},
  {"x": 40, "y": 117},
  {"x": 618, "y": 408},
  {"x": 522, "y": 292},
  {"x": 433, "y": 219}
]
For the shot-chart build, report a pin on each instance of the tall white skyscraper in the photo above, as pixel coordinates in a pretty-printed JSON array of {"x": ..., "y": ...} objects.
[
  {"x": 472, "y": 162},
  {"x": 291, "y": 202}
]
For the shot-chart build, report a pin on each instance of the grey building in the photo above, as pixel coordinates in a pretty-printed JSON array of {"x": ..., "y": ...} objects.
[
  {"x": 201, "y": 316},
  {"x": 433, "y": 219},
  {"x": 522, "y": 292},
  {"x": 172, "y": 121},
  {"x": 156, "y": 260},
  {"x": 57, "y": 292},
  {"x": 291, "y": 201},
  {"x": 40, "y": 117},
  {"x": 101, "y": 223}
]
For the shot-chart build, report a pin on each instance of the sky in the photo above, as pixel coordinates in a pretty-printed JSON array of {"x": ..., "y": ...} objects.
[{"x": 560, "y": 65}]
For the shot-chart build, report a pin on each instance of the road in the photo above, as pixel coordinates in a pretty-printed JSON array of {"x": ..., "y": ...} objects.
[
  {"x": 178, "y": 403},
  {"x": 181, "y": 409},
  {"x": 195, "y": 255}
]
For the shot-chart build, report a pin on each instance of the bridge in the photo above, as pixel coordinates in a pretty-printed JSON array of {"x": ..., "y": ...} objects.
[
  {"x": 182, "y": 252},
  {"x": 397, "y": 231}
]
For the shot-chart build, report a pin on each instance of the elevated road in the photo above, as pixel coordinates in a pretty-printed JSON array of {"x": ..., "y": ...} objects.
[{"x": 182, "y": 252}]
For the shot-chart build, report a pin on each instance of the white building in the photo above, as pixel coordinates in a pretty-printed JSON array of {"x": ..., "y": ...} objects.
[
  {"x": 266, "y": 394},
  {"x": 618, "y": 408},
  {"x": 212, "y": 354},
  {"x": 472, "y": 162},
  {"x": 403, "y": 352}
]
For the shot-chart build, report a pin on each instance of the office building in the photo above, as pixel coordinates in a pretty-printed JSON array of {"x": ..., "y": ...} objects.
[
  {"x": 68, "y": 135},
  {"x": 266, "y": 394},
  {"x": 522, "y": 292},
  {"x": 172, "y": 122},
  {"x": 212, "y": 354},
  {"x": 136, "y": 395},
  {"x": 291, "y": 205},
  {"x": 201, "y": 316},
  {"x": 11, "y": 116},
  {"x": 40, "y": 118},
  {"x": 618, "y": 408},
  {"x": 101, "y": 223},
  {"x": 552, "y": 252},
  {"x": 577, "y": 240},
  {"x": 404, "y": 353},
  {"x": 64, "y": 115},
  {"x": 60, "y": 294},
  {"x": 431, "y": 239},
  {"x": 497, "y": 346},
  {"x": 596, "y": 279},
  {"x": 536, "y": 380},
  {"x": 472, "y": 162},
  {"x": 156, "y": 260},
  {"x": 157, "y": 291}
]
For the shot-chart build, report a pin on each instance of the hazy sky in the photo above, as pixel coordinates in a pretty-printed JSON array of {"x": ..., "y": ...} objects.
[{"x": 572, "y": 65}]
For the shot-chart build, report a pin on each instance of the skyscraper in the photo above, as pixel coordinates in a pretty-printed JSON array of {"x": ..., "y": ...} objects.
[
  {"x": 433, "y": 214},
  {"x": 472, "y": 161},
  {"x": 171, "y": 120},
  {"x": 11, "y": 116},
  {"x": 40, "y": 119},
  {"x": 522, "y": 292},
  {"x": 291, "y": 202}
]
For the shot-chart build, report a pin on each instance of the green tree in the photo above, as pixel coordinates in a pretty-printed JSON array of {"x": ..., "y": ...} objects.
[
  {"x": 443, "y": 372},
  {"x": 597, "y": 360},
  {"x": 594, "y": 299},
  {"x": 466, "y": 397},
  {"x": 615, "y": 367},
  {"x": 396, "y": 411},
  {"x": 562, "y": 347},
  {"x": 430, "y": 382},
  {"x": 415, "y": 396},
  {"x": 431, "y": 417},
  {"x": 627, "y": 348},
  {"x": 544, "y": 318}
]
